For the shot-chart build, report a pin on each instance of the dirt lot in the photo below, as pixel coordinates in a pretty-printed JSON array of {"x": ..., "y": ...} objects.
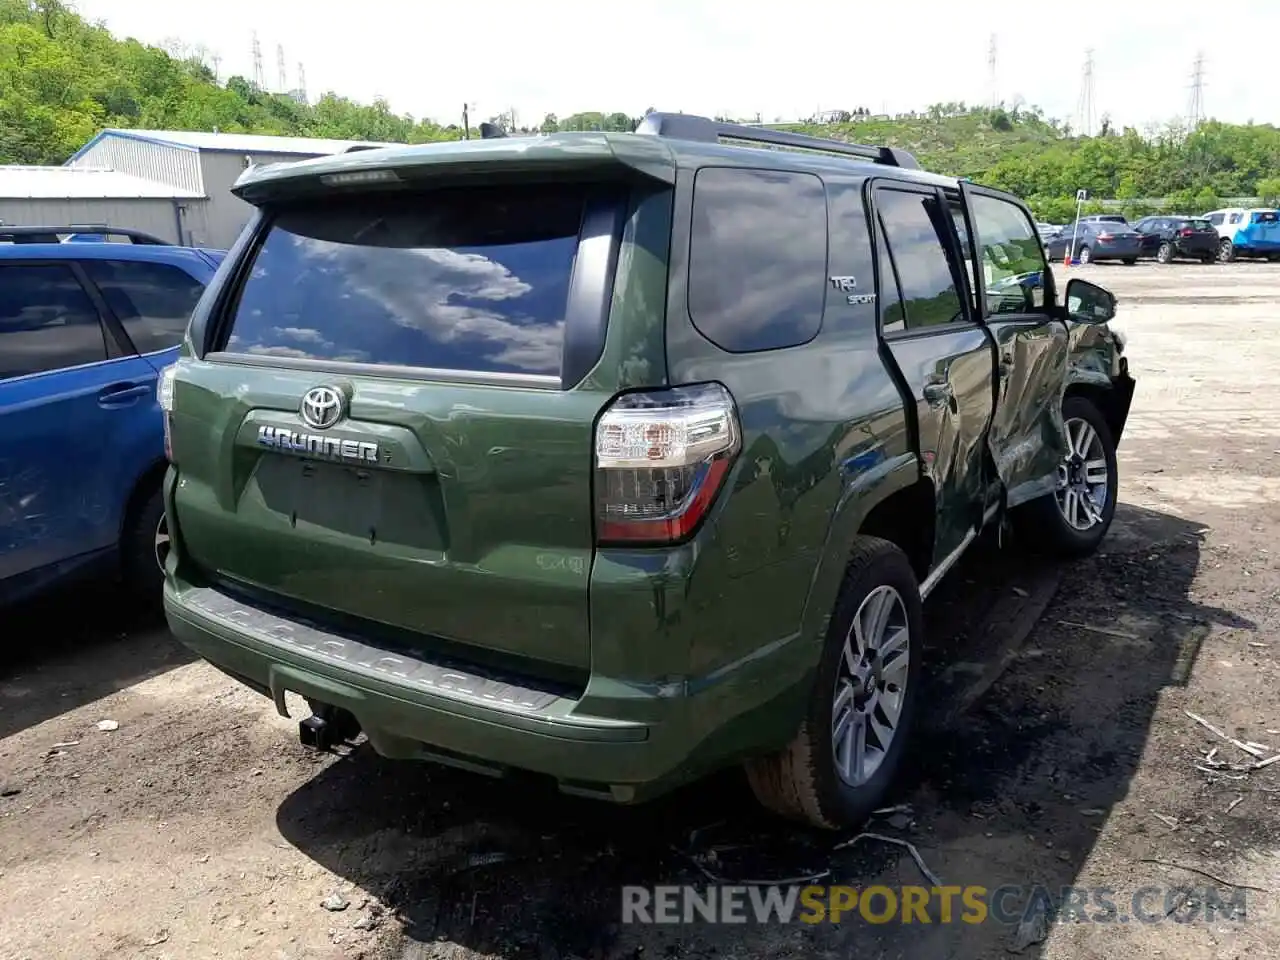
[{"x": 1063, "y": 757}]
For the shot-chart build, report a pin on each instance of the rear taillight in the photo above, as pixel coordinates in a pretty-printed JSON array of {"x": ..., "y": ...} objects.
[
  {"x": 164, "y": 396},
  {"x": 1186, "y": 233},
  {"x": 661, "y": 458}
]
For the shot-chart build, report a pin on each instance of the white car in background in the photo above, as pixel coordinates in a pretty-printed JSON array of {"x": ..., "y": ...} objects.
[{"x": 1246, "y": 232}]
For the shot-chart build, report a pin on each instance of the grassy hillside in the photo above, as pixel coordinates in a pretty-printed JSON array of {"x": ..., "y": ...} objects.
[{"x": 63, "y": 79}]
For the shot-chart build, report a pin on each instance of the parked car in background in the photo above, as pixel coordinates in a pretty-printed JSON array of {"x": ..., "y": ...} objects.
[
  {"x": 1246, "y": 233},
  {"x": 1104, "y": 218},
  {"x": 84, "y": 330},
  {"x": 1096, "y": 240},
  {"x": 1168, "y": 238}
]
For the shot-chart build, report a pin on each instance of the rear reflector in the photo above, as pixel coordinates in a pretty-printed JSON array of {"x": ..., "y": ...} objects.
[{"x": 661, "y": 458}]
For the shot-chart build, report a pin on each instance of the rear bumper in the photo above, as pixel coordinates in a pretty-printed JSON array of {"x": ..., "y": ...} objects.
[
  {"x": 1197, "y": 248},
  {"x": 1102, "y": 252},
  {"x": 413, "y": 709}
]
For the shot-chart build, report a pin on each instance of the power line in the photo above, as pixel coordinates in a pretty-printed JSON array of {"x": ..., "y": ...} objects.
[
  {"x": 991, "y": 68},
  {"x": 259, "y": 80},
  {"x": 282, "y": 75},
  {"x": 1085, "y": 109},
  {"x": 1195, "y": 103}
]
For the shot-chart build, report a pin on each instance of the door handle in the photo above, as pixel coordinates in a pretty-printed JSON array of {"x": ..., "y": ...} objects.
[{"x": 122, "y": 394}]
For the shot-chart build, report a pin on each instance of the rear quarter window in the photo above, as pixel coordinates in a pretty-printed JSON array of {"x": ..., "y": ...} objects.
[
  {"x": 757, "y": 258},
  {"x": 152, "y": 300},
  {"x": 463, "y": 280}
]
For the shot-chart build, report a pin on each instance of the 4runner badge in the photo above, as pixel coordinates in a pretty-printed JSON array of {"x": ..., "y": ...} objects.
[
  {"x": 317, "y": 445},
  {"x": 847, "y": 285}
]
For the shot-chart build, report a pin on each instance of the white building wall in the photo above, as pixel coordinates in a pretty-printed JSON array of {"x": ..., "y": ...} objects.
[{"x": 156, "y": 217}]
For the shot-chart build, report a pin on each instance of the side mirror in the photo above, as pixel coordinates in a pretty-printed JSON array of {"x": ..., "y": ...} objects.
[{"x": 1089, "y": 303}]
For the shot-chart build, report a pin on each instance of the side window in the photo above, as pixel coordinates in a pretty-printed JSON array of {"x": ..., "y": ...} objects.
[
  {"x": 47, "y": 321},
  {"x": 1234, "y": 218},
  {"x": 152, "y": 300},
  {"x": 966, "y": 246},
  {"x": 914, "y": 224},
  {"x": 1013, "y": 264},
  {"x": 757, "y": 258},
  {"x": 1215, "y": 219},
  {"x": 891, "y": 309}
]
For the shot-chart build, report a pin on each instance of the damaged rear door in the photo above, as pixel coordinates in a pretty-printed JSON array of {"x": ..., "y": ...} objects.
[{"x": 1015, "y": 289}]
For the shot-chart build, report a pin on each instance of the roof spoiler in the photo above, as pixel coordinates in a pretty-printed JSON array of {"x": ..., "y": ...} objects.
[{"x": 682, "y": 126}]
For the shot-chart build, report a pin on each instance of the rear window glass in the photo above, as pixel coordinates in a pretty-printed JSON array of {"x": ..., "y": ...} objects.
[
  {"x": 473, "y": 280},
  {"x": 757, "y": 258},
  {"x": 1197, "y": 224}
]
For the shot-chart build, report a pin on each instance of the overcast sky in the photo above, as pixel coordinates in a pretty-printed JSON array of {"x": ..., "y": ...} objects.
[{"x": 426, "y": 57}]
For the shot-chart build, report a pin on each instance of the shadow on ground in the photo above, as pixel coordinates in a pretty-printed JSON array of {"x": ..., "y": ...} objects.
[
  {"x": 74, "y": 646},
  {"x": 1010, "y": 790}
]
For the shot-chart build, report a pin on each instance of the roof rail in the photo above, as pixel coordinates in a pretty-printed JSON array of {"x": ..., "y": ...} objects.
[
  {"x": 54, "y": 234},
  {"x": 361, "y": 146},
  {"x": 682, "y": 126}
]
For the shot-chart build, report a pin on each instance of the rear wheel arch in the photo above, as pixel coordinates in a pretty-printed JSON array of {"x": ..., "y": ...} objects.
[
  {"x": 905, "y": 518},
  {"x": 863, "y": 500},
  {"x": 149, "y": 481}
]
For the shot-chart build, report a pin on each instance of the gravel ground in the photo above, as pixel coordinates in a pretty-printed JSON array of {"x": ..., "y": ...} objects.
[{"x": 1058, "y": 751}]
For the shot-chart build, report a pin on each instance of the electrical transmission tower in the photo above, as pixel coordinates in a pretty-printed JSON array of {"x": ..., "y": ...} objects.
[
  {"x": 991, "y": 69},
  {"x": 217, "y": 64},
  {"x": 1195, "y": 103},
  {"x": 282, "y": 74},
  {"x": 302, "y": 83},
  {"x": 1086, "y": 106},
  {"x": 259, "y": 80}
]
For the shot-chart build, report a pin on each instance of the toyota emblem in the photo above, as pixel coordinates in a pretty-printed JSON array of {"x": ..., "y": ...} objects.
[{"x": 321, "y": 407}]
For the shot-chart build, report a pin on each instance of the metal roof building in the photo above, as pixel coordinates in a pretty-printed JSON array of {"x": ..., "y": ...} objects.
[
  {"x": 58, "y": 196},
  {"x": 200, "y": 169}
]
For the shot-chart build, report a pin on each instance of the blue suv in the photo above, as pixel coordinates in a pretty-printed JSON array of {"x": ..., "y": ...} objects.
[{"x": 85, "y": 329}]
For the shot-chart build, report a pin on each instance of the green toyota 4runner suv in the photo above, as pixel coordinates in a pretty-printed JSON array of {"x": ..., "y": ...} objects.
[{"x": 620, "y": 458}]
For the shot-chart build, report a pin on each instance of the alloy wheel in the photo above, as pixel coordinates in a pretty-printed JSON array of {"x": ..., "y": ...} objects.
[
  {"x": 871, "y": 686},
  {"x": 1082, "y": 477},
  {"x": 162, "y": 542}
]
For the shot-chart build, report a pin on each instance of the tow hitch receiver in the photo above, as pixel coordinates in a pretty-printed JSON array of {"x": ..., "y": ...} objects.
[{"x": 327, "y": 727}]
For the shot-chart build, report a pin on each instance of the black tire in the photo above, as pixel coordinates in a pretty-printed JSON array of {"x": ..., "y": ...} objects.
[
  {"x": 1042, "y": 521},
  {"x": 1165, "y": 253},
  {"x": 1226, "y": 250},
  {"x": 1085, "y": 255},
  {"x": 801, "y": 781},
  {"x": 1129, "y": 261},
  {"x": 1209, "y": 259},
  {"x": 139, "y": 564}
]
